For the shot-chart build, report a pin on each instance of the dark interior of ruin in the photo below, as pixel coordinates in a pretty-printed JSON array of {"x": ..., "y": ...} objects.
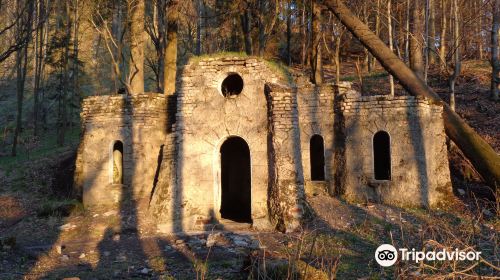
[
  {"x": 382, "y": 155},
  {"x": 317, "y": 151},
  {"x": 235, "y": 180},
  {"x": 232, "y": 85}
]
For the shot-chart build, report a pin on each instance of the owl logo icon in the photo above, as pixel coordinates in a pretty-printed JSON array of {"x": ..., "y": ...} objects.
[{"x": 386, "y": 255}]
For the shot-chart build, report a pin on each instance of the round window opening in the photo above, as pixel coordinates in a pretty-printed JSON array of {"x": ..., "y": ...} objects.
[{"x": 232, "y": 85}]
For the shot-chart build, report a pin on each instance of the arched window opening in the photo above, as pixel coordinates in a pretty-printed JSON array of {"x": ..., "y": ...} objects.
[
  {"x": 382, "y": 155},
  {"x": 118, "y": 162},
  {"x": 317, "y": 156},
  {"x": 235, "y": 180},
  {"x": 232, "y": 85}
]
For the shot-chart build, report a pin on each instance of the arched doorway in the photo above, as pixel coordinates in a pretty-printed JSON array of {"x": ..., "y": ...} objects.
[
  {"x": 235, "y": 180},
  {"x": 382, "y": 155},
  {"x": 317, "y": 156}
]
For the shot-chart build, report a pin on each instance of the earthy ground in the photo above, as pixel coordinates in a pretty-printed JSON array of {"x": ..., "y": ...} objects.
[
  {"x": 46, "y": 234},
  {"x": 339, "y": 238}
]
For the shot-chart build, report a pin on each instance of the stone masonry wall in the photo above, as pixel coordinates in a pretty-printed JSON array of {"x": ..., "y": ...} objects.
[
  {"x": 286, "y": 180},
  {"x": 139, "y": 122},
  {"x": 316, "y": 116},
  {"x": 204, "y": 120},
  {"x": 419, "y": 162}
]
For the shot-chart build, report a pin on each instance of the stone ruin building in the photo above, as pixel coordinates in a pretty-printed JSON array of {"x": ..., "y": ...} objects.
[{"x": 240, "y": 141}]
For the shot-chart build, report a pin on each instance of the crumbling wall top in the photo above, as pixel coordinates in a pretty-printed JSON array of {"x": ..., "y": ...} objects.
[{"x": 351, "y": 104}]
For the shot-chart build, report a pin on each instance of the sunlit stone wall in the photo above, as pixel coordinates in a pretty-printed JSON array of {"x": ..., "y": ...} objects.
[
  {"x": 139, "y": 122},
  {"x": 419, "y": 160}
]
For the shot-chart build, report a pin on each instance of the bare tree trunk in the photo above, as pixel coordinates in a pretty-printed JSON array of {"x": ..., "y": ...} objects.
[
  {"x": 303, "y": 29},
  {"x": 377, "y": 32},
  {"x": 315, "y": 50},
  {"x": 457, "y": 59},
  {"x": 368, "y": 56},
  {"x": 431, "y": 45},
  {"x": 495, "y": 60},
  {"x": 288, "y": 32},
  {"x": 442, "y": 38},
  {"x": 21, "y": 65},
  {"x": 337, "y": 58},
  {"x": 480, "y": 30},
  {"x": 42, "y": 110},
  {"x": 116, "y": 30},
  {"x": 337, "y": 35},
  {"x": 63, "y": 99},
  {"x": 416, "y": 56},
  {"x": 23, "y": 28},
  {"x": 262, "y": 26},
  {"x": 161, "y": 23},
  {"x": 407, "y": 34},
  {"x": 481, "y": 154},
  {"x": 39, "y": 61},
  {"x": 389, "y": 33},
  {"x": 246, "y": 26},
  {"x": 76, "y": 91},
  {"x": 198, "y": 29},
  {"x": 398, "y": 30},
  {"x": 426, "y": 39},
  {"x": 171, "y": 48},
  {"x": 206, "y": 28},
  {"x": 136, "y": 63}
]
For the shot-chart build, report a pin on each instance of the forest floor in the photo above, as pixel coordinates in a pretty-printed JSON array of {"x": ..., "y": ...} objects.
[{"x": 45, "y": 234}]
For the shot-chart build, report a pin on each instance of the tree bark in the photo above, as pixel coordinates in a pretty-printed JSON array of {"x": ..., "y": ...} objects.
[
  {"x": 170, "y": 65},
  {"x": 136, "y": 63},
  {"x": 161, "y": 41},
  {"x": 389, "y": 34},
  {"x": 407, "y": 33},
  {"x": 377, "y": 32},
  {"x": 457, "y": 57},
  {"x": 63, "y": 99},
  {"x": 495, "y": 59},
  {"x": 246, "y": 28},
  {"x": 23, "y": 27},
  {"x": 315, "y": 51},
  {"x": 416, "y": 27},
  {"x": 198, "y": 28},
  {"x": 426, "y": 39},
  {"x": 75, "y": 92},
  {"x": 480, "y": 30},
  {"x": 442, "y": 38},
  {"x": 288, "y": 33},
  {"x": 262, "y": 27},
  {"x": 116, "y": 31},
  {"x": 480, "y": 153},
  {"x": 303, "y": 31},
  {"x": 337, "y": 58},
  {"x": 266, "y": 21},
  {"x": 431, "y": 45},
  {"x": 39, "y": 62}
]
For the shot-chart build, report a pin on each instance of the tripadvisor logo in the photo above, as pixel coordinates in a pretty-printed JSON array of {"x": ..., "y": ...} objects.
[{"x": 387, "y": 255}]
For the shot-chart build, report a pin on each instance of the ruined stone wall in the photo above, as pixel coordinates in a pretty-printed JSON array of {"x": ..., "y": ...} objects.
[
  {"x": 316, "y": 116},
  {"x": 139, "y": 122},
  {"x": 205, "y": 119},
  {"x": 419, "y": 162},
  {"x": 286, "y": 180}
]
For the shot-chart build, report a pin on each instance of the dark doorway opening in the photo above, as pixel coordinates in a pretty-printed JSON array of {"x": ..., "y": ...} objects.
[
  {"x": 118, "y": 163},
  {"x": 232, "y": 85},
  {"x": 236, "y": 180},
  {"x": 317, "y": 153},
  {"x": 382, "y": 155}
]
